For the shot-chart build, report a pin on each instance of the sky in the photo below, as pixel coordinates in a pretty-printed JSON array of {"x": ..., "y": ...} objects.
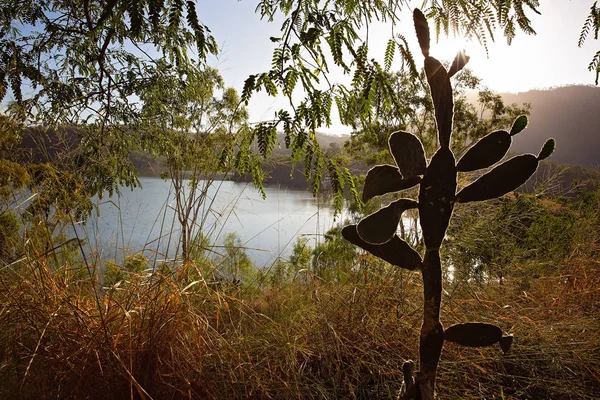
[{"x": 549, "y": 59}]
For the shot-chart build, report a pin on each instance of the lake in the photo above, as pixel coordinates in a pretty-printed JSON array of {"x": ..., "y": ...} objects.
[{"x": 144, "y": 220}]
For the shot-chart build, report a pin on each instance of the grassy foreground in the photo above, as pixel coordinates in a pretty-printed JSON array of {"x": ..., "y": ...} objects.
[{"x": 166, "y": 337}]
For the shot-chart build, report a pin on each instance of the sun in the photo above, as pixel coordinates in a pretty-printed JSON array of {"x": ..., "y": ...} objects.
[{"x": 446, "y": 47}]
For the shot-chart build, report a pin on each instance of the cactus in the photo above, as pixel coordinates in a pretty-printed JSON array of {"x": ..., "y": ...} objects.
[
  {"x": 376, "y": 233},
  {"x": 408, "y": 153},
  {"x": 486, "y": 152},
  {"x": 395, "y": 251},
  {"x": 382, "y": 225},
  {"x": 383, "y": 179},
  {"x": 506, "y": 343},
  {"x": 504, "y": 178},
  {"x": 473, "y": 334}
]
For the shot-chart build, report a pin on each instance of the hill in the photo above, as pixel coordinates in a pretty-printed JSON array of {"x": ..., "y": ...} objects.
[{"x": 571, "y": 115}]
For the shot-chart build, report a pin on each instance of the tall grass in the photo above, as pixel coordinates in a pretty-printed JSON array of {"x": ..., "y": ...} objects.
[
  {"x": 164, "y": 337},
  {"x": 341, "y": 331}
]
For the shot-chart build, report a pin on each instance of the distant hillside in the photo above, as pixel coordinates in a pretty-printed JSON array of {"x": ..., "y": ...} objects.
[
  {"x": 569, "y": 114},
  {"x": 326, "y": 141}
]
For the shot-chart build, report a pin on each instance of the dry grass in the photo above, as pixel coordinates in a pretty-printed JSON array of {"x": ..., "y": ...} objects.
[
  {"x": 556, "y": 354},
  {"x": 158, "y": 337}
]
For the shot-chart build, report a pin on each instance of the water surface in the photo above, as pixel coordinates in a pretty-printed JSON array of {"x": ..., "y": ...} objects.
[{"x": 144, "y": 220}]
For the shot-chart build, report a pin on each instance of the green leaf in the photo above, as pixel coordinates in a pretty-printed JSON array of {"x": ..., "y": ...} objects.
[
  {"x": 436, "y": 197},
  {"x": 383, "y": 179},
  {"x": 249, "y": 87},
  {"x": 349, "y": 179},
  {"x": 136, "y": 12},
  {"x": 408, "y": 152},
  {"x": 486, "y": 152},
  {"x": 389, "y": 54},
  {"x": 337, "y": 185},
  {"x": 519, "y": 124},
  {"x": 473, "y": 334},
  {"x": 422, "y": 28},
  {"x": 459, "y": 62},
  {"x": 381, "y": 226},
  {"x": 503, "y": 179},
  {"x": 441, "y": 93},
  {"x": 547, "y": 150},
  {"x": 224, "y": 157},
  {"x": 396, "y": 251},
  {"x": 266, "y": 137},
  {"x": 269, "y": 86}
]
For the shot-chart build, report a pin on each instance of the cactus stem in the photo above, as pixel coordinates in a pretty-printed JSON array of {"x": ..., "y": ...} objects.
[{"x": 432, "y": 331}]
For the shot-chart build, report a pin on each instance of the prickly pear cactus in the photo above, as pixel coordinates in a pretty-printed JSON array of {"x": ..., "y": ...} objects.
[{"x": 376, "y": 233}]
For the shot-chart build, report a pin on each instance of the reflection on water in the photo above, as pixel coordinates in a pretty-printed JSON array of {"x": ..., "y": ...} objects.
[{"x": 144, "y": 219}]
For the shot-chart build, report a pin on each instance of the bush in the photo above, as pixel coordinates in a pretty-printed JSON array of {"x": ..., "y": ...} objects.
[
  {"x": 301, "y": 256},
  {"x": 333, "y": 259},
  {"x": 235, "y": 266},
  {"x": 113, "y": 273},
  {"x": 10, "y": 227},
  {"x": 308, "y": 340},
  {"x": 135, "y": 263},
  {"x": 507, "y": 236},
  {"x": 133, "y": 266}
]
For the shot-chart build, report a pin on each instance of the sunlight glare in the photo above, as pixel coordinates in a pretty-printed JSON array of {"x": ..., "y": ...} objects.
[
  {"x": 490, "y": 66},
  {"x": 446, "y": 48}
]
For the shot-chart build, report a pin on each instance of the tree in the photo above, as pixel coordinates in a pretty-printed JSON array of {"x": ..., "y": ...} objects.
[
  {"x": 184, "y": 122},
  {"x": 312, "y": 29},
  {"x": 85, "y": 61},
  {"x": 416, "y": 112}
]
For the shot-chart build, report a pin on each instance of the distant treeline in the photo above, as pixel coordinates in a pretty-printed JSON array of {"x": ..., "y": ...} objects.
[{"x": 576, "y": 131}]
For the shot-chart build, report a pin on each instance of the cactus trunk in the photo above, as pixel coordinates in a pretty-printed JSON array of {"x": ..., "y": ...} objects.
[
  {"x": 432, "y": 332},
  {"x": 436, "y": 203}
]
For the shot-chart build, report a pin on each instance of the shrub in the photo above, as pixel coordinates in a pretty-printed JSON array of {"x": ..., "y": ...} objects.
[
  {"x": 10, "y": 227},
  {"x": 235, "y": 266}
]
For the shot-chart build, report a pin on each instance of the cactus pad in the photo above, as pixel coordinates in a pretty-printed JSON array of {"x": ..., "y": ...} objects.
[
  {"x": 486, "y": 152},
  {"x": 519, "y": 124},
  {"x": 408, "y": 152},
  {"x": 506, "y": 343},
  {"x": 436, "y": 197},
  {"x": 547, "y": 150},
  {"x": 383, "y": 179},
  {"x": 396, "y": 251},
  {"x": 382, "y": 225},
  {"x": 473, "y": 334},
  {"x": 459, "y": 62},
  {"x": 441, "y": 93},
  {"x": 422, "y": 28},
  {"x": 505, "y": 178}
]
